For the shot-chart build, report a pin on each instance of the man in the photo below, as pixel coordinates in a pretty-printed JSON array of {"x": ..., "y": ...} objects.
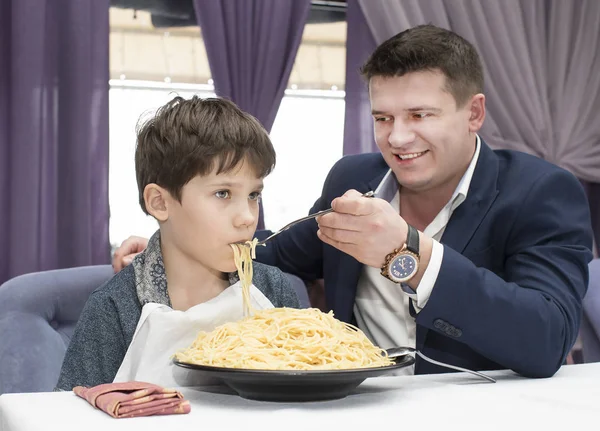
[{"x": 476, "y": 257}]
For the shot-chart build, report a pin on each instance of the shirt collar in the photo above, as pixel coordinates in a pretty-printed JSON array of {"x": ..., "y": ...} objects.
[{"x": 388, "y": 187}]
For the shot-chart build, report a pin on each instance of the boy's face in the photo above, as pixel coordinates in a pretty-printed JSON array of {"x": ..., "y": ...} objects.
[{"x": 215, "y": 211}]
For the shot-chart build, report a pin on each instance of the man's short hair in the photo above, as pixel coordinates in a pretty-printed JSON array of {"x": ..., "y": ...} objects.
[
  {"x": 186, "y": 138},
  {"x": 427, "y": 47}
]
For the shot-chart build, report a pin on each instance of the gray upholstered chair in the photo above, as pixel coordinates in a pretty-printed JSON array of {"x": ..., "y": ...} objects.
[
  {"x": 590, "y": 323},
  {"x": 38, "y": 313}
]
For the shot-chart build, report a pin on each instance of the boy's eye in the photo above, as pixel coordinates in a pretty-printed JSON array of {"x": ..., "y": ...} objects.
[
  {"x": 222, "y": 194},
  {"x": 254, "y": 196}
]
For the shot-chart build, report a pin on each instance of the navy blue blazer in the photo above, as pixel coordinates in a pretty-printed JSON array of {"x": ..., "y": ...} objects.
[{"x": 514, "y": 272}]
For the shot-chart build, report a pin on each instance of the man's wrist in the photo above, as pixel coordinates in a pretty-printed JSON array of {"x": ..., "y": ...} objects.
[
  {"x": 402, "y": 263},
  {"x": 425, "y": 247}
]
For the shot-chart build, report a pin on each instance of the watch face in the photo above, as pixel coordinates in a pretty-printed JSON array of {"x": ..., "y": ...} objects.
[{"x": 403, "y": 267}]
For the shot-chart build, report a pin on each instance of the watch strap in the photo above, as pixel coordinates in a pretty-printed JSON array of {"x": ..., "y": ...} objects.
[
  {"x": 407, "y": 289},
  {"x": 412, "y": 240}
]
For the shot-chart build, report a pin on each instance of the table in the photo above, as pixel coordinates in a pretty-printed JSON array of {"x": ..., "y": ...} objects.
[{"x": 450, "y": 401}]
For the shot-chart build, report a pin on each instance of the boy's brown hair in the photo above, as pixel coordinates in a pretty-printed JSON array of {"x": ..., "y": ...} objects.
[
  {"x": 186, "y": 138},
  {"x": 427, "y": 47}
]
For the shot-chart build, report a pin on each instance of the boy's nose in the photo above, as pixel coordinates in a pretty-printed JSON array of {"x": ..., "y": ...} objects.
[{"x": 245, "y": 217}]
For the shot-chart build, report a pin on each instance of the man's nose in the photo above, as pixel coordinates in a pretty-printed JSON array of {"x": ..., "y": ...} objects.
[{"x": 401, "y": 134}]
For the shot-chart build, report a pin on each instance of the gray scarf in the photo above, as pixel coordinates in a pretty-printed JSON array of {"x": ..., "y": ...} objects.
[{"x": 151, "y": 277}]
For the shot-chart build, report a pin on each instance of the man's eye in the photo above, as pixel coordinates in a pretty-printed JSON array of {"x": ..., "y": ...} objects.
[
  {"x": 382, "y": 119},
  {"x": 420, "y": 115},
  {"x": 255, "y": 196},
  {"x": 222, "y": 194}
]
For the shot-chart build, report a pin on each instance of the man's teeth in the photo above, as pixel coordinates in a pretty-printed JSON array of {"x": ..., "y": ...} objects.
[{"x": 410, "y": 156}]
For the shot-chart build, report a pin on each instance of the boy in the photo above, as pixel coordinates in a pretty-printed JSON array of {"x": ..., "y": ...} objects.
[{"x": 200, "y": 166}]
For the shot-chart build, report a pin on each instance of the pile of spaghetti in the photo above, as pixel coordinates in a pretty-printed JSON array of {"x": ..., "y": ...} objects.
[{"x": 282, "y": 338}]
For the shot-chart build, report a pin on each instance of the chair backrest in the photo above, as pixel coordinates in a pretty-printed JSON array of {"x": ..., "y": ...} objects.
[
  {"x": 590, "y": 324},
  {"x": 38, "y": 313}
]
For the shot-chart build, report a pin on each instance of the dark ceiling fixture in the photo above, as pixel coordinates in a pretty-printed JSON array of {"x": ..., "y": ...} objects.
[{"x": 180, "y": 13}]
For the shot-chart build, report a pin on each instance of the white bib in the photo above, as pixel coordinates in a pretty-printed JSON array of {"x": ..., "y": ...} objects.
[{"x": 162, "y": 331}]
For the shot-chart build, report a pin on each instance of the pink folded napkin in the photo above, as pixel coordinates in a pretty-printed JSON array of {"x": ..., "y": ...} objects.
[{"x": 134, "y": 399}]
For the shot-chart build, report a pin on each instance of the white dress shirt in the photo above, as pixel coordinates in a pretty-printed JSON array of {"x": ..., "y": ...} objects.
[{"x": 381, "y": 306}]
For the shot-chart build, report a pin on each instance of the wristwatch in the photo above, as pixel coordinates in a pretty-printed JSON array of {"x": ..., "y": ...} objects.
[{"x": 403, "y": 263}]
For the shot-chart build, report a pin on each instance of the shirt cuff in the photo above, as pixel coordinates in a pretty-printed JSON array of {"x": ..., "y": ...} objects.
[{"x": 430, "y": 276}]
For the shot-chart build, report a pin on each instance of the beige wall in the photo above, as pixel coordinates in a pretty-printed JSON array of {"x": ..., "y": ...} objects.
[{"x": 139, "y": 51}]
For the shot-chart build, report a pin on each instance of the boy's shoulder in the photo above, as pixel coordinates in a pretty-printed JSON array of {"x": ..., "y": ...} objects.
[
  {"x": 120, "y": 288},
  {"x": 262, "y": 268},
  {"x": 118, "y": 295},
  {"x": 275, "y": 285},
  {"x": 103, "y": 332}
]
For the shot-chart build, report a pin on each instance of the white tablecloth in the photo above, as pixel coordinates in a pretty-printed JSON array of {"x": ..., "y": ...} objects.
[{"x": 451, "y": 401}]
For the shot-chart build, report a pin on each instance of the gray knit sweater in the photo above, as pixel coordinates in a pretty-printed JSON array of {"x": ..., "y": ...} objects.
[{"x": 110, "y": 316}]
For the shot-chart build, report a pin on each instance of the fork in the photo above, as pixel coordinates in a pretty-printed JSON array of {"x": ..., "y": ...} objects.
[
  {"x": 369, "y": 194},
  {"x": 396, "y": 352}
]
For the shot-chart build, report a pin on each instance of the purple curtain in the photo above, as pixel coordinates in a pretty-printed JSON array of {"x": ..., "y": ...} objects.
[
  {"x": 53, "y": 135},
  {"x": 251, "y": 47},
  {"x": 358, "y": 125}
]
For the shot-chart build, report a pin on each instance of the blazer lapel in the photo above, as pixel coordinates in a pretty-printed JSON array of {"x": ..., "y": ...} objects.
[
  {"x": 468, "y": 216},
  {"x": 482, "y": 193},
  {"x": 374, "y": 183}
]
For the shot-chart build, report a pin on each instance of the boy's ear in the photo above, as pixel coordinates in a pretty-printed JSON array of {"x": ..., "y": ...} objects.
[{"x": 155, "y": 198}]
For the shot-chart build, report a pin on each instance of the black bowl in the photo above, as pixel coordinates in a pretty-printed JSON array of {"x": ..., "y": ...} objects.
[{"x": 272, "y": 385}]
